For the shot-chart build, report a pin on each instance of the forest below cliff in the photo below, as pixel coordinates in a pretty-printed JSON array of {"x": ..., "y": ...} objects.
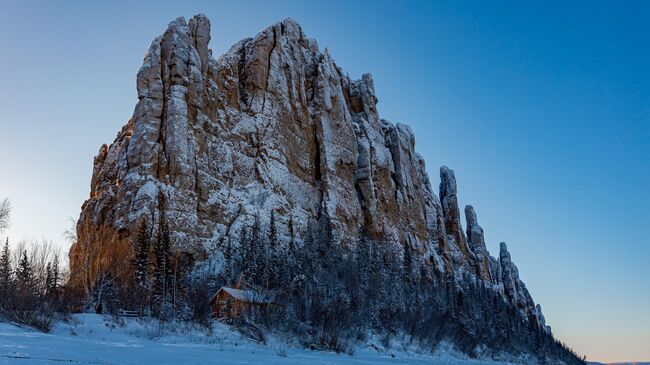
[{"x": 332, "y": 296}]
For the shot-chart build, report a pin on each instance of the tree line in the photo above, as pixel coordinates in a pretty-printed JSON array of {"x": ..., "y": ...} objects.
[
  {"x": 31, "y": 284},
  {"x": 32, "y": 280},
  {"x": 156, "y": 283},
  {"x": 335, "y": 292}
]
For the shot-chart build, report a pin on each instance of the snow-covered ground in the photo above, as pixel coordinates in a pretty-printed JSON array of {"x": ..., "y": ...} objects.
[{"x": 93, "y": 339}]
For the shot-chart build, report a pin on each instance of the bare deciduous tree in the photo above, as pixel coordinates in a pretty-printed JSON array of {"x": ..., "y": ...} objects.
[
  {"x": 5, "y": 212},
  {"x": 39, "y": 254},
  {"x": 70, "y": 234}
]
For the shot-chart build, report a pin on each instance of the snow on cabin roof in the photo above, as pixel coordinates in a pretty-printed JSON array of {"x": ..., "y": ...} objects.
[{"x": 248, "y": 296}]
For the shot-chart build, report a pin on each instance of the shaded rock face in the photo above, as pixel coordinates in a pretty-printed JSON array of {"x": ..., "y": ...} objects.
[
  {"x": 514, "y": 289},
  {"x": 272, "y": 125},
  {"x": 476, "y": 243}
]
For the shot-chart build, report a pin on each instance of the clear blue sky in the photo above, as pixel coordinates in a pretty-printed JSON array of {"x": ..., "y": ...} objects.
[{"x": 542, "y": 109}]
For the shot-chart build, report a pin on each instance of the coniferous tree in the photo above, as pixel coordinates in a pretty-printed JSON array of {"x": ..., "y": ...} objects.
[
  {"x": 245, "y": 263},
  {"x": 258, "y": 256},
  {"x": 56, "y": 273},
  {"x": 227, "y": 260},
  {"x": 289, "y": 263},
  {"x": 364, "y": 253},
  {"x": 141, "y": 259},
  {"x": 408, "y": 264},
  {"x": 308, "y": 252},
  {"x": 24, "y": 274},
  {"x": 5, "y": 269},
  {"x": 290, "y": 259},
  {"x": 253, "y": 256},
  {"x": 162, "y": 270},
  {"x": 274, "y": 265},
  {"x": 273, "y": 232},
  {"x": 292, "y": 236},
  {"x": 48, "y": 279}
]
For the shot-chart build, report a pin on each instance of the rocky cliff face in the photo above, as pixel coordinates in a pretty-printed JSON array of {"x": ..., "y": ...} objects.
[{"x": 272, "y": 125}]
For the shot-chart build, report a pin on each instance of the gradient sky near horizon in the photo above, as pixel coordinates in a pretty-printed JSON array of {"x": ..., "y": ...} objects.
[{"x": 541, "y": 108}]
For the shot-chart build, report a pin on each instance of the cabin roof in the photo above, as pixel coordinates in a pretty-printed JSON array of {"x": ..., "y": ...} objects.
[{"x": 247, "y": 296}]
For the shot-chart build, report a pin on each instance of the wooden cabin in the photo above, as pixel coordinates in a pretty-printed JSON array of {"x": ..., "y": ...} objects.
[{"x": 230, "y": 302}]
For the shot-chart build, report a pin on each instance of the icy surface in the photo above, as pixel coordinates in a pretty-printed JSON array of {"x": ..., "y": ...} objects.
[{"x": 93, "y": 339}]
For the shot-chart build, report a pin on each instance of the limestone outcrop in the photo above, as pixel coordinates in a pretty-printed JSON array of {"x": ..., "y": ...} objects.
[{"x": 271, "y": 125}]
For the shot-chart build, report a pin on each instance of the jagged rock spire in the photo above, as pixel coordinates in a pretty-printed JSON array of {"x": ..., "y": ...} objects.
[
  {"x": 450, "y": 209},
  {"x": 514, "y": 289},
  {"x": 200, "y": 32},
  {"x": 541, "y": 319},
  {"x": 476, "y": 243},
  {"x": 508, "y": 272},
  {"x": 474, "y": 230}
]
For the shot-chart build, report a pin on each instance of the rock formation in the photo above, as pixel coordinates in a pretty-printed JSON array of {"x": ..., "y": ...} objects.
[
  {"x": 272, "y": 125},
  {"x": 476, "y": 243}
]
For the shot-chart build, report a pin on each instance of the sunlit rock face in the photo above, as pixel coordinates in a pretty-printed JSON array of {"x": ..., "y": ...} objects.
[{"x": 272, "y": 125}]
